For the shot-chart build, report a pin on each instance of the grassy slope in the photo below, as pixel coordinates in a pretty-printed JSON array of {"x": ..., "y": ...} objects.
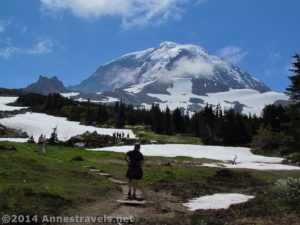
[
  {"x": 33, "y": 183},
  {"x": 145, "y": 133}
]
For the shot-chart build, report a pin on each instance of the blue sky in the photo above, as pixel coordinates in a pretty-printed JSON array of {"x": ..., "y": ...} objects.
[{"x": 72, "y": 38}]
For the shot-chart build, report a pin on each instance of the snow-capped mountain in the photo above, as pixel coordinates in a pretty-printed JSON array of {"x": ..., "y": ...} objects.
[
  {"x": 167, "y": 61},
  {"x": 175, "y": 75}
]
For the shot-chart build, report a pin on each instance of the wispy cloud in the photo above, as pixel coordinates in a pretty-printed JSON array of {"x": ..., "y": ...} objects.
[
  {"x": 232, "y": 54},
  {"x": 274, "y": 56},
  {"x": 275, "y": 65},
  {"x": 133, "y": 13},
  {"x": 3, "y": 25},
  {"x": 40, "y": 48},
  {"x": 198, "y": 2}
]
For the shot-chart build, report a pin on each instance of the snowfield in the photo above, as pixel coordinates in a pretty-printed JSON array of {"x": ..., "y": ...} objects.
[
  {"x": 217, "y": 201},
  {"x": 181, "y": 95},
  {"x": 69, "y": 94},
  {"x": 37, "y": 123},
  {"x": 19, "y": 140},
  {"x": 197, "y": 151},
  {"x": 106, "y": 100},
  {"x": 245, "y": 158},
  {"x": 137, "y": 88},
  {"x": 252, "y": 165},
  {"x": 6, "y": 100}
]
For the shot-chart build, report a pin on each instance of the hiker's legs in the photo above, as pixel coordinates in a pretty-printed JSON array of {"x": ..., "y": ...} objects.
[
  {"x": 134, "y": 185},
  {"x": 129, "y": 187},
  {"x": 41, "y": 149}
]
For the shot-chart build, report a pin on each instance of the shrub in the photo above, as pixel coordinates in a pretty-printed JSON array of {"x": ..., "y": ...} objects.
[
  {"x": 267, "y": 141},
  {"x": 77, "y": 158},
  {"x": 289, "y": 190}
]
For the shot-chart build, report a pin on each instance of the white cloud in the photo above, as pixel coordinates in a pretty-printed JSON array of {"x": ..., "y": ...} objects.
[
  {"x": 3, "y": 25},
  {"x": 198, "y": 2},
  {"x": 192, "y": 67},
  {"x": 232, "y": 54},
  {"x": 274, "y": 56},
  {"x": 40, "y": 48},
  {"x": 184, "y": 67},
  {"x": 131, "y": 12},
  {"x": 7, "y": 52}
]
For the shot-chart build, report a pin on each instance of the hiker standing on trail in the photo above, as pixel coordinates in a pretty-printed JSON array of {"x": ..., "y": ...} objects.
[
  {"x": 134, "y": 173},
  {"x": 42, "y": 144}
]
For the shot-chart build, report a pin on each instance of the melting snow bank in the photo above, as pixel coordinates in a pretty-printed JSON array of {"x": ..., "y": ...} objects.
[
  {"x": 37, "y": 123},
  {"x": 69, "y": 94},
  {"x": 197, "y": 151},
  {"x": 217, "y": 201},
  {"x": 245, "y": 158},
  {"x": 253, "y": 165},
  {"x": 6, "y": 100},
  {"x": 20, "y": 140}
]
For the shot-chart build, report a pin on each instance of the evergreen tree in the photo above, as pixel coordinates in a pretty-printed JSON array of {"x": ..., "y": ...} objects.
[
  {"x": 75, "y": 113},
  {"x": 102, "y": 115},
  {"x": 120, "y": 120},
  {"x": 178, "y": 121},
  {"x": 167, "y": 122},
  {"x": 131, "y": 115},
  {"x": 53, "y": 138},
  {"x": 207, "y": 124},
  {"x": 293, "y": 90},
  {"x": 156, "y": 119},
  {"x": 274, "y": 117},
  {"x": 90, "y": 116}
]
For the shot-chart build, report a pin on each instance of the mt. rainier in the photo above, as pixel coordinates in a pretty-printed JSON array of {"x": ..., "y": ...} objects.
[{"x": 174, "y": 75}]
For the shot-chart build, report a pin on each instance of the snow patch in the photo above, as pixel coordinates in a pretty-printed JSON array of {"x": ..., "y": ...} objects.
[
  {"x": 19, "y": 140},
  {"x": 135, "y": 89},
  {"x": 197, "y": 151},
  {"x": 252, "y": 165},
  {"x": 37, "y": 123},
  {"x": 217, "y": 201},
  {"x": 109, "y": 100},
  {"x": 6, "y": 100},
  {"x": 254, "y": 100},
  {"x": 70, "y": 94},
  {"x": 181, "y": 93},
  {"x": 245, "y": 158},
  {"x": 86, "y": 100}
]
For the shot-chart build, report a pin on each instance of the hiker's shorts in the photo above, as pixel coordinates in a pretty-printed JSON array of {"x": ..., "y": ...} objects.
[{"x": 134, "y": 172}]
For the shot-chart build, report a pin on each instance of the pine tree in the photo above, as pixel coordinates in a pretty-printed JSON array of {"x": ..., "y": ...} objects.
[
  {"x": 156, "y": 119},
  {"x": 53, "y": 138},
  {"x": 102, "y": 115},
  {"x": 167, "y": 121},
  {"x": 90, "y": 116},
  {"x": 293, "y": 90},
  {"x": 121, "y": 119},
  {"x": 178, "y": 121}
]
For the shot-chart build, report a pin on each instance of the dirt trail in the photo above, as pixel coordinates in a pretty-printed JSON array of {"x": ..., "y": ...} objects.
[
  {"x": 122, "y": 210},
  {"x": 159, "y": 206}
]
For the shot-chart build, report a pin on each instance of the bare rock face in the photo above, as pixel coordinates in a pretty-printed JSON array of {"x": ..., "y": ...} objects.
[{"x": 46, "y": 85}]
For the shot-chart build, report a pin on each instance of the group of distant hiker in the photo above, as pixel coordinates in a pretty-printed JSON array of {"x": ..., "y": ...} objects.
[{"x": 120, "y": 135}]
